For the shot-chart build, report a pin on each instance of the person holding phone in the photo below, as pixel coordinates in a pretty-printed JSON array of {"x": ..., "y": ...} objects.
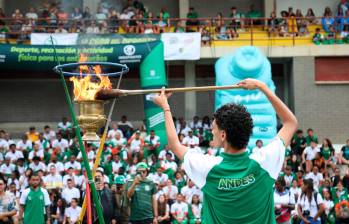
[{"x": 142, "y": 193}]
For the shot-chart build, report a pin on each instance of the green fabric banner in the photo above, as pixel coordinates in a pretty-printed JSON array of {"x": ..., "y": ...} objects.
[
  {"x": 41, "y": 57},
  {"x": 153, "y": 75}
]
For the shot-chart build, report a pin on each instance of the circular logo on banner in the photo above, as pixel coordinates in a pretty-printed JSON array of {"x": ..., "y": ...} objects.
[{"x": 129, "y": 50}]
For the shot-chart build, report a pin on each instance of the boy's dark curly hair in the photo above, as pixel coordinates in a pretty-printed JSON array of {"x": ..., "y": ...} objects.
[{"x": 236, "y": 122}]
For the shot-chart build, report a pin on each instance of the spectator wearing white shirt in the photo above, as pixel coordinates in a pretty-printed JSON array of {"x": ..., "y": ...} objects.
[
  {"x": 70, "y": 191},
  {"x": 37, "y": 165},
  {"x": 24, "y": 144},
  {"x": 159, "y": 177},
  {"x": 168, "y": 163},
  {"x": 60, "y": 142},
  {"x": 115, "y": 129},
  {"x": 58, "y": 165},
  {"x": 72, "y": 214},
  {"x": 152, "y": 144},
  {"x": 259, "y": 145},
  {"x": 71, "y": 175},
  {"x": 309, "y": 154},
  {"x": 72, "y": 163},
  {"x": 116, "y": 164},
  {"x": 31, "y": 14},
  {"x": 64, "y": 127},
  {"x": 163, "y": 153},
  {"x": 92, "y": 28},
  {"x": 191, "y": 140},
  {"x": 328, "y": 202},
  {"x": 309, "y": 209},
  {"x": 36, "y": 153},
  {"x": 61, "y": 29},
  {"x": 42, "y": 142},
  {"x": 316, "y": 177},
  {"x": 13, "y": 153},
  {"x": 179, "y": 210},
  {"x": 53, "y": 180},
  {"x": 189, "y": 190},
  {"x": 170, "y": 191},
  {"x": 49, "y": 134},
  {"x": 136, "y": 144},
  {"x": 284, "y": 202},
  {"x": 89, "y": 152},
  {"x": 7, "y": 168},
  {"x": 196, "y": 123}
]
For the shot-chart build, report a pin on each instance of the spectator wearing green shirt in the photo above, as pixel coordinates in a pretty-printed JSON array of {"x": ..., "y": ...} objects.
[
  {"x": 344, "y": 155},
  {"x": 142, "y": 193},
  {"x": 327, "y": 151},
  {"x": 254, "y": 14},
  {"x": 298, "y": 143},
  {"x": 34, "y": 203},
  {"x": 192, "y": 21},
  {"x": 339, "y": 193},
  {"x": 310, "y": 137}
]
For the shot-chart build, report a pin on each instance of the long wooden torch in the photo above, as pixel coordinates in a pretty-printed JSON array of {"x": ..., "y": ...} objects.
[{"x": 106, "y": 94}]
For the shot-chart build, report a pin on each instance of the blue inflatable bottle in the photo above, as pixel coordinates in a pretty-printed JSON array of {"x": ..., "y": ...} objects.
[{"x": 248, "y": 62}]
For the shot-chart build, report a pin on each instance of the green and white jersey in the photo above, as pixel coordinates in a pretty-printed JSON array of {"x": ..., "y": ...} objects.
[
  {"x": 237, "y": 188},
  {"x": 34, "y": 203}
]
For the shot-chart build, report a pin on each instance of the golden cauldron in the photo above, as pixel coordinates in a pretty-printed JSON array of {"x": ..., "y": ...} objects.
[{"x": 91, "y": 118}]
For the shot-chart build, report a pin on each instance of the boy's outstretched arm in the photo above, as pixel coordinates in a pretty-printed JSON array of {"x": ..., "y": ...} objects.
[{"x": 288, "y": 119}]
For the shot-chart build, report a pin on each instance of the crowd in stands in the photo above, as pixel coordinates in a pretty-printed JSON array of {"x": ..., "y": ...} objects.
[
  {"x": 136, "y": 18},
  {"x": 314, "y": 181}
]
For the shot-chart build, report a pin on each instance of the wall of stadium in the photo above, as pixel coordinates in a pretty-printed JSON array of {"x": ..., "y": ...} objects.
[
  {"x": 207, "y": 8},
  {"x": 322, "y": 107},
  {"x": 317, "y": 5}
]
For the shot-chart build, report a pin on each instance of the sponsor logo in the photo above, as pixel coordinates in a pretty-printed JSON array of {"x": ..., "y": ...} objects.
[{"x": 129, "y": 50}]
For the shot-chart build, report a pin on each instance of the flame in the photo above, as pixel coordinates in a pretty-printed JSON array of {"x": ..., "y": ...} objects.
[{"x": 84, "y": 86}]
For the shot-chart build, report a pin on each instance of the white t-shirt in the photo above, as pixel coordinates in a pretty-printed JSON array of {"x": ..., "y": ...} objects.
[
  {"x": 14, "y": 155},
  {"x": 65, "y": 126},
  {"x": 135, "y": 145},
  {"x": 312, "y": 207},
  {"x": 170, "y": 192},
  {"x": 53, "y": 181},
  {"x": 7, "y": 169},
  {"x": 90, "y": 155},
  {"x": 24, "y": 146},
  {"x": 191, "y": 140},
  {"x": 116, "y": 166},
  {"x": 197, "y": 125},
  {"x": 74, "y": 177},
  {"x": 310, "y": 152},
  {"x": 69, "y": 193},
  {"x": 328, "y": 206},
  {"x": 112, "y": 133},
  {"x": 4, "y": 144},
  {"x": 288, "y": 180},
  {"x": 50, "y": 135},
  {"x": 63, "y": 144},
  {"x": 296, "y": 191},
  {"x": 59, "y": 166},
  {"x": 179, "y": 210},
  {"x": 154, "y": 141},
  {"x": 316, "y": 179},
  {"x": 189, "y": 192},
  {"x": 75, "y": 165},
  {"x": 168, "y": 165},
  {"x": 284, "y": 198},
  {"x": 162, "y": 154},
  {"x": 39, "y": 153},
  {"x": 159, "y": 179},
  {"x": 73, "y": 213},
  {"x": 40, "y": 166}
]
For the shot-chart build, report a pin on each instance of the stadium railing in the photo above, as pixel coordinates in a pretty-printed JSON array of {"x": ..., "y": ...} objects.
[{"x": 250, "y": 31}]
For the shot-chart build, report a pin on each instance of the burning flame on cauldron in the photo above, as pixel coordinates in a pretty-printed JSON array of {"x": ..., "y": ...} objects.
[{"x": 86, "y": 86}]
